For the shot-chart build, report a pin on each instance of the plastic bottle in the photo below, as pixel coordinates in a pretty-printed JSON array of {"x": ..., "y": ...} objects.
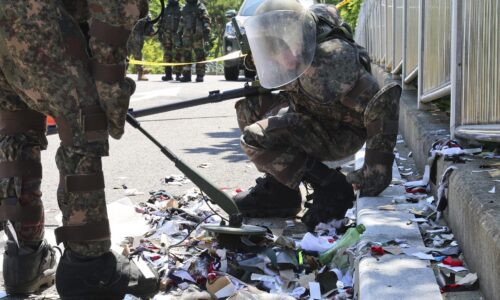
[{"x": 351, "y": 236}]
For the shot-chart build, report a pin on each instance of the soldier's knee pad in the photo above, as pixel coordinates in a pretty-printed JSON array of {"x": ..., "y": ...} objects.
[
  {"x": 21, "y": 192},
  {"x": 86, "y": 128}
]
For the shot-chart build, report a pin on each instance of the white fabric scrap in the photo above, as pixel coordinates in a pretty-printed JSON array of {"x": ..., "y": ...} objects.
[
  {"x": 312, "y": 243},
  {"x": 469, "y": 279}
]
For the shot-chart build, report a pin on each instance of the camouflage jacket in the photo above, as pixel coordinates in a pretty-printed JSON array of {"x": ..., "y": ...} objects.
[
  {"x": 170, "y": 21},
  {"x": 336, "y": 88},
  {"x": 195, "y": 22}
]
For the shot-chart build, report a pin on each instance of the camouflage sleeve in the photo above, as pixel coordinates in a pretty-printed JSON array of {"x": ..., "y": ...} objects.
[
  {"x": 110, "y": 26},
  {"x": 205, "y": 17},
  {"x": 180, "y": 28}
]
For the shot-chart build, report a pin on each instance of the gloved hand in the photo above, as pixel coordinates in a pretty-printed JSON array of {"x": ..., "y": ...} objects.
[{"x": 375, "y": 175}]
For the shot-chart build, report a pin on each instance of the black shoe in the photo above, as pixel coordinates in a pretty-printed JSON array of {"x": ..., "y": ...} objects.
[
  {"x": 168, "y": 74},
  {"x": 25, "y": 270},
  {"x": 185, "y": 79},
  {"x": 109, "y": 276},
  {"x": 332, "y": 195},
  {"x": 269, "y": 198},
  {"x": 178, "y": 77},
  {"x": 199, "y": 78},
  {"x": 167, "y": 78}
]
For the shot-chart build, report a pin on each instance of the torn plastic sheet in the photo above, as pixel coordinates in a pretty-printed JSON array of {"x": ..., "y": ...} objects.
[
  {"x": 454, "y": 269},
  {"x": 124, "y": 221}
]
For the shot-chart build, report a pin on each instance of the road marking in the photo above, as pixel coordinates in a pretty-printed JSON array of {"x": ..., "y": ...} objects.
[{"x": 140, "y": 96}]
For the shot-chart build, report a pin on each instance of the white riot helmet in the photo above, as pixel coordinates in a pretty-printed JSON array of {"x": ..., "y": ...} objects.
[{"x": 282, "y": 38}]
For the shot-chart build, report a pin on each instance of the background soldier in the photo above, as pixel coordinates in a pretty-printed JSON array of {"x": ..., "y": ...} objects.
[
  {"x": 135, "y": 43},
  {"x": 167, "y": 31},
  {"x": 44, "y": 70},
  {"x": 194, "y": 35},
  {"x": 331, "y": 105}
]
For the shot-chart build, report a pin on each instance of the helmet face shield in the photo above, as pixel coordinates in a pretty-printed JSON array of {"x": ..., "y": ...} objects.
[{"x": 283, "y": 43}]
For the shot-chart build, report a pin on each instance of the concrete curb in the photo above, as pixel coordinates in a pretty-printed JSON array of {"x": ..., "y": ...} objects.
[
  {"x": 392, "y": 277},
  {"x": 473, "y": 214}
]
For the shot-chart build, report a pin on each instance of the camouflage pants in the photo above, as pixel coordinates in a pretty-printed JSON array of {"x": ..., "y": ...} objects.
[
  {"x": 170, "y": 54},
  {"x": 134, "y": 46},
  {"x": 277, "y": 139},
  {"x": 37, "y": 72},
  {"x": 191, "y": 44}
]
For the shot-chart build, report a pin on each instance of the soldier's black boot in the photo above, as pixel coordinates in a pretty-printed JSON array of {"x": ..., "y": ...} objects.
[
  {"x": 168, "y": 74},
  {"x": 332, "y": 195},
  {"x": 186, "y": 77},
  {"x": 199, "y": 78},
  {"x": 269, "y": 198},
  {"x": 26, "y": 270},
  {"x": 109, "y": 276},
  {"x": 178, "y": 77}
]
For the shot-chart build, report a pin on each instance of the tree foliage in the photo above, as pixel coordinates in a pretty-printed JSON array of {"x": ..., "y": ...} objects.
[{"x": 153, "y": 51}]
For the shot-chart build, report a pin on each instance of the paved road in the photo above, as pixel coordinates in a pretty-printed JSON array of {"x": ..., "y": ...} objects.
[{"x": 206, "y": 134}]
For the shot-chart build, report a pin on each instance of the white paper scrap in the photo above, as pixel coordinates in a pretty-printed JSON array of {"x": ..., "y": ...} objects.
[
  {"x": 315, "y": 291},
  {"x": 454, "y": 269},
  {"x": 422, "y": 255},
  {"x": 492, "y": 191}
]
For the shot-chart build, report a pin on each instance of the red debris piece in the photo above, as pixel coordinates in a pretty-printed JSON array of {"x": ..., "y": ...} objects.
[
  {"x": 454, "y": 262},
  {"x": 416, "y": 190},
  {"x": 378, "y": 250}
]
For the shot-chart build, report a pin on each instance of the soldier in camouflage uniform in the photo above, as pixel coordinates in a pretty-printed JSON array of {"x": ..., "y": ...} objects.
[
  {"x": 329, "y": 106},
  {"x": 194, "y": 35},
  {"x": 135, "y": 43},
  {"x": 166, "y": 32},
  {"x": 45, "y": 69}
]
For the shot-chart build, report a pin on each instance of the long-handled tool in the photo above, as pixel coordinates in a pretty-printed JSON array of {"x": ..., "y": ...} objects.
[{"x": 235, "y": 226}]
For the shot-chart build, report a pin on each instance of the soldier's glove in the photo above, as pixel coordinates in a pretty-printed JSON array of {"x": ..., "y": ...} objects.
[{"x": 376, "y": 173}]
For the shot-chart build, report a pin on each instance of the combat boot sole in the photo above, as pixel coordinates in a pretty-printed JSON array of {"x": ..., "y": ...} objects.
[{"x": 44, "y": 281}]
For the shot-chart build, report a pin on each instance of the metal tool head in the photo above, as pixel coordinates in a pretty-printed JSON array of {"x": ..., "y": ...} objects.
[{"x": 241, "y": 230}]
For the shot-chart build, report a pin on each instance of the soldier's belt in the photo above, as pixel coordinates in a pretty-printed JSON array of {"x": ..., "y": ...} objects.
[{"x": 229, "y": 56}]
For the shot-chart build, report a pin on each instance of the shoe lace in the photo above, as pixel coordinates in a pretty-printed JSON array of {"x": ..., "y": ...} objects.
[{"x": 261, "y": 184}]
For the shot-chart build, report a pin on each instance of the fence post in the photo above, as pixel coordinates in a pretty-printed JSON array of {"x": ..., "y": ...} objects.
[
  {"x": 456, "y": 65},
  {"x": 421, "y": 53},
  {"x": 404, "y": 71}
]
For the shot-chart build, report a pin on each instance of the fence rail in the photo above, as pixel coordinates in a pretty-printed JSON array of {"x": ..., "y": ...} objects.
[{"x": 451, "y": 46}]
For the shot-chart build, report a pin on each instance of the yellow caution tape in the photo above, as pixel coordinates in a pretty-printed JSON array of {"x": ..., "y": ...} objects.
[
  {"x": 229, "y": 56},
  {"x": 342, "y": 4}
]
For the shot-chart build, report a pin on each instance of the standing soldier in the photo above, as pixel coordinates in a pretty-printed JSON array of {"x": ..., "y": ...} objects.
[
  {"x": 135, "y": 43},
  {"x": 167, "y": 30},
  {"x": 46, "y": 69},
  {"x": 194, "y": 34}
]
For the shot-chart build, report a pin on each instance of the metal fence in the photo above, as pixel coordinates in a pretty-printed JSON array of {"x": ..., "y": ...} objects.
[
  {"x": 397, "y": 53},
  {"x": 451, "y": 46}
]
